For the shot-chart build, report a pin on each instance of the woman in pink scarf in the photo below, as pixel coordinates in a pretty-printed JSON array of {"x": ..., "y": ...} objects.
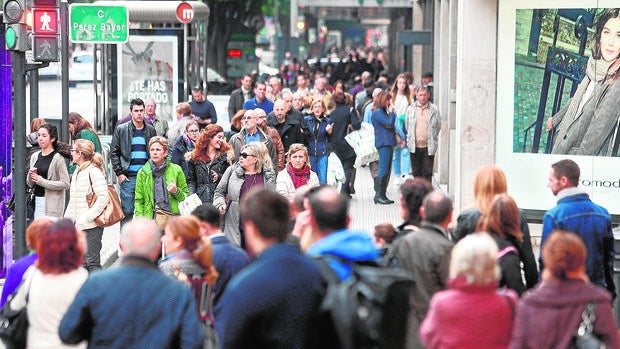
[{"x": 297, "y": 172}]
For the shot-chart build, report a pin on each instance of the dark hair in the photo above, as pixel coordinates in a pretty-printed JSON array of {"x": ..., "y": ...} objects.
[
  {"x": 437, "y": 207},
  {"x": 269, "y": 211},
  {"x": 603, "y": 17},
  {"x": 567, "y": 168},
  {"x": 385, "y": 231},
  {"x": 329, "y": 208},
  {"x": 413, "y": 191},
  {"x": 135, "y": 101},
  {"x": 200, "y": 152},
  {"x": 427, "y": 75},
  {"x": 59, "y": 248},
  {"x": 53, "y": 131},
  {"x": 209, "y": 214},
  {"x": 503, "y": 218},
  {"x": 563, "y": 252},
  {"x": 80, "y": 124},
  {"x": 340, "y": 98}
]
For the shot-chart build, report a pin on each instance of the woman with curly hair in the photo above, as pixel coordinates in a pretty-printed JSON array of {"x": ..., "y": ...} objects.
[
  {"x": 208, "y": 162},
  {"x": 53, "y": 282}
]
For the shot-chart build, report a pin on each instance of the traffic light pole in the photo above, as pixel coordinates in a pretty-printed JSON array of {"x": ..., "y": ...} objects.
[
  {"x": 64, "y": 44},
  {"x": 19, "y": 154}
]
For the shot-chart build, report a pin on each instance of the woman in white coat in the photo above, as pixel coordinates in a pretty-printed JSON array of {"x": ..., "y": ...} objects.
[
  {"x": 88, "y": 178},
  {"x": 297, "y": 172}
]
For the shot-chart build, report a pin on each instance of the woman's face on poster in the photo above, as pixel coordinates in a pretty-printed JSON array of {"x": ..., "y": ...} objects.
[{"x": 610, "y": 39}]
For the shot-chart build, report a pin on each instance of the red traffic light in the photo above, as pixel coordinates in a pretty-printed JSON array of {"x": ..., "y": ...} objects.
[
  {"x": 45, "y": 21},
  {"x": 235, "y": 53}
]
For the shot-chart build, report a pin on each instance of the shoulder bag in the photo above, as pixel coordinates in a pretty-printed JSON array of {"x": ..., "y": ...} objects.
[
  {"x": 113, "y": 211},
  {"x": 584, "y": 338},
  {"x": 14, "y": 323}
]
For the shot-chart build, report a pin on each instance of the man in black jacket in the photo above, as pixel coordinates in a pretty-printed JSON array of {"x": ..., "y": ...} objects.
[{"x": 128, "y": 153}]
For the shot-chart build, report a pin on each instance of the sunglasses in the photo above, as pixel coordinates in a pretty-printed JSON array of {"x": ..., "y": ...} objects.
[{"x": 245, "y": 155}]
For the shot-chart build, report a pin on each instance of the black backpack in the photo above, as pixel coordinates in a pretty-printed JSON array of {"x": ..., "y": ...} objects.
[{"x": 370, "y": 308}]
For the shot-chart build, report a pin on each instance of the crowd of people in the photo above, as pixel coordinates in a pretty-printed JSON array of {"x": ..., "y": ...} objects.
[{"x": 240, "y": 271}]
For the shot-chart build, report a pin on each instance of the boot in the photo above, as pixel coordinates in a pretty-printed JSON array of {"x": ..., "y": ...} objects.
[
  {"x": 384, "y": 185},
  {"x": 378, "y": 187}
]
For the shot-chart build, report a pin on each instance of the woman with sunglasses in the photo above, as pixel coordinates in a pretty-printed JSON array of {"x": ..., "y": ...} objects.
[
  {"x": 87, "y": 178},
  {"x": 211, "y": 157},
  {"x": 184, "y": 145},
  {"x": 160, "y": 184},
  {"x": 253, "y": 170}
]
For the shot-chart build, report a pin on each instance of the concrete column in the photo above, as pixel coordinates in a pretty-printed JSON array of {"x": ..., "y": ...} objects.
[{"x": 476, "y": 73}]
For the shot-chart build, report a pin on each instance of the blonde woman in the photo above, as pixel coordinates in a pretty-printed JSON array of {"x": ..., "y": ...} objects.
[
  {"x": 297, "y": 172},
  {"x": 253, "y": 170},
  {"x": 88, "y": 178},
  {"x": 472, "y": 312},
  {"x": 160, "y": 184}
]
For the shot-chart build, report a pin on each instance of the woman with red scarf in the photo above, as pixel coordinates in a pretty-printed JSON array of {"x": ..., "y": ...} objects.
[{"x": 297, "y": 172}]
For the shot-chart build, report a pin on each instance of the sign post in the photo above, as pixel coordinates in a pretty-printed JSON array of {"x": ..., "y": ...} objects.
[{"x": 98, "y": 24}]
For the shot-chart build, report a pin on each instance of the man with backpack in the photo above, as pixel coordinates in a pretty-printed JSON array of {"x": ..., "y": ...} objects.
[
  {"x": 347, "y": 260},
  {"x": 425, "y": 253}
]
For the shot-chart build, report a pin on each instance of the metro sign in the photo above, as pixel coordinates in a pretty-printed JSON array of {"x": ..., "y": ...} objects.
[
  {"x": 185, "y": 12},
  {"x": 45, "y": 21}
]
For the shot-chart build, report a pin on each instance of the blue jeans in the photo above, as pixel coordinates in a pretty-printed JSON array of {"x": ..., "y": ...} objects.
[
  {"x": 401, "y": 162},
  {"x": 128, "y": 195},
  {"x": 385, "y": 161},
  {"x": 318, "y": 164}
]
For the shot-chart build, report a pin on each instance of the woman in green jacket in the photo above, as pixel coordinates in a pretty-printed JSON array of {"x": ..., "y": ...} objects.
[{"x": 160, "y": 184}]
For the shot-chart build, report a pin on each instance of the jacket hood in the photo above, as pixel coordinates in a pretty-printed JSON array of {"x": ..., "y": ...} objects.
[
  {"x": 346, "y": 244},
  {"x": 556, "y": 293},
  {"x": 32, "y": 138}
]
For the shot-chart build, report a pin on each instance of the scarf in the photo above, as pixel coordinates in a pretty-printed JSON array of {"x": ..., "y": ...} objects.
[
  {"x": 160, "y": 192},
  {"x": 300, "y": 177},
  {"x": 596, "y": 70}
]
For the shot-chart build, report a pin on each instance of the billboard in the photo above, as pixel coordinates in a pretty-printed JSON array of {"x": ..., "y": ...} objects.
[
  {"x": 148, "y": 68},
  {"x": 558, "y": 97}
]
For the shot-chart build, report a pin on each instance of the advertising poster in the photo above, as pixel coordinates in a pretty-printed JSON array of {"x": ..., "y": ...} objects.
[
  {"x": 558, "y": 63},
  {"x": 148, "y": 68}
]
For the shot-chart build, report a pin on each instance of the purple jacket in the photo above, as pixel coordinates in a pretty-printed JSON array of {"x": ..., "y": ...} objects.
[
  {"x": 549, "y": 314},
  {"x": 15, "y": 274}
]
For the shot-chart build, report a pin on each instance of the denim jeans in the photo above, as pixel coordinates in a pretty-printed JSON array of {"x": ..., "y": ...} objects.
[
  {"x": 93, "y": 248},
  {"x": 401, "y": 162},
  {"x": 128, "y": 195},
  {"x": 318, "y": 164},
  {"x": 385, "y": 161}
]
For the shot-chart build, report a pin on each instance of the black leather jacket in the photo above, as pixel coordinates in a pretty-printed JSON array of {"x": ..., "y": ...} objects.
[{"x": 120, "y": 148}]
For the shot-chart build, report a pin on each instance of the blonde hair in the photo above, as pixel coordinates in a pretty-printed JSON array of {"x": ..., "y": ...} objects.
[
  {"x": 87, "y": 148},
  {"x": 187, "y": 228},
  {"x": 475, "y": 257},
  {"x": 258, "y": 149},
  {"x": 489, "y": 181},
  {"x": 159, "y": 139},
  {"x": 294, "y": 148}
]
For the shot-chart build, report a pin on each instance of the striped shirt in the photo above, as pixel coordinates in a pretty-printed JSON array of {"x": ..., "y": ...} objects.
[{"x": 139, "y": 154}]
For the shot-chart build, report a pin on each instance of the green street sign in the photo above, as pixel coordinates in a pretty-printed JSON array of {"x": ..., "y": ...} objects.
[{"x": 98, "y": 24}]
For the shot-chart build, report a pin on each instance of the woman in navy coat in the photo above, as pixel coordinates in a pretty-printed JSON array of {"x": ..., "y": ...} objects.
[{"x": 383, "y": 119}]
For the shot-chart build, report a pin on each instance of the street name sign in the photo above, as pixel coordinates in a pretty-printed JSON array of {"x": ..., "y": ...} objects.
[{"x": 98, "y": 24}]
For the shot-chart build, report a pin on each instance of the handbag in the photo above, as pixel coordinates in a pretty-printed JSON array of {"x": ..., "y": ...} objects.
[
  {"x": 584, "y": 338},
  {"x": 162, "y": 217},
  {"x": 113, "y": 211},
  {"x": 29, "y": 199},
  {"x": 14, "y": 323}
]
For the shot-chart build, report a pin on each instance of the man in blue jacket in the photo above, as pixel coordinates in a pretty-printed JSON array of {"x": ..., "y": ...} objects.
[
  {"x": 577, "y": 213},
  {"x": 272, "y": 302},
  {"x": 134, "y": 305}
]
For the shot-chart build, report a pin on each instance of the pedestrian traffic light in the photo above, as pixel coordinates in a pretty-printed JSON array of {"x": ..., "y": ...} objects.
[
  {"x": 16, "y": 32},
  {"x": 45, "y": 29}
]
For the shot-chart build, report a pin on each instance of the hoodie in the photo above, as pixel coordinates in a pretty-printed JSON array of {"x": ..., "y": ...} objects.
[{"x": 353, "y": 246}]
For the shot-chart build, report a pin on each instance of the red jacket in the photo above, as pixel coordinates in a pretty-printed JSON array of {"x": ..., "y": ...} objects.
[{"x": 469, "y": 316}]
